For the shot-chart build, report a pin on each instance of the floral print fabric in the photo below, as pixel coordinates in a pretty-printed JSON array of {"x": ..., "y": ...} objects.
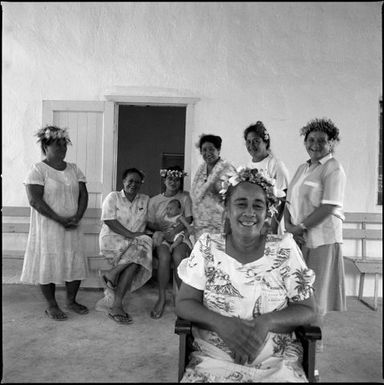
[
  {"x": 207, "y": 205},
  {"x": 121, "y": 250},
  {"x": 54, "y": 254},
  {"x": 246, "y": 291}
]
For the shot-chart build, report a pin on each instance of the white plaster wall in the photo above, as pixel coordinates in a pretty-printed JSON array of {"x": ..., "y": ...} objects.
[{"x": 282, "y": 63}]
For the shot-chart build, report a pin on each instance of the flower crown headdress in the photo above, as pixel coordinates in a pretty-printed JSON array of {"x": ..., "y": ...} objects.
[
  {"x": 173, "y": 173},
  {"x": 266, "y": 136},
  {"x": 51, "y": 132},
  {"x": 253, "y": 175}
]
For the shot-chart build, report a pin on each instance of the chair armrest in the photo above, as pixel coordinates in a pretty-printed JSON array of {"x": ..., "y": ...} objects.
[
  {"x": 184, "y": 329},
  {"x": 183, "y": 326},
  {"x": 308, "y": 335},
  {"x": 308, "y": 332}
]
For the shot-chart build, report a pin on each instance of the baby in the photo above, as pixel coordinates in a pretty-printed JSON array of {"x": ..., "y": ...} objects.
[{"x": 172, "y": 218}]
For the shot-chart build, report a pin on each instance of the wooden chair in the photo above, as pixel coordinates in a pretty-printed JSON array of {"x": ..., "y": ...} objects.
[{"x": 308, "y": 336}]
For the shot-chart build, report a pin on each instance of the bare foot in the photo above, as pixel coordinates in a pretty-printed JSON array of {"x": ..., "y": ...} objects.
[
  {"x": 157, "y": 311},
  {"x": 77, "y": 308},
  {"x": 55, "y": 313}
]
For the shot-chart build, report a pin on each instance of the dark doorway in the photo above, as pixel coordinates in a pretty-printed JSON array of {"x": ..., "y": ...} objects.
[{"x": 150, "y": 138}]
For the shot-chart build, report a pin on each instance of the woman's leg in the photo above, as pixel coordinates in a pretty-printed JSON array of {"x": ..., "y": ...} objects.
[
  {"x": 163, "y": 274},
  {"x": 112, "y": 275},
  {"x": 182, "y": 251},
  {"x": 72, "y": 289},
  {"x": 53, "y": 310},
  {"x": 123, "y": 284}
]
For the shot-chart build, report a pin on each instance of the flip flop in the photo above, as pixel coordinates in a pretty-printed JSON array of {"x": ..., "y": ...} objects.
[
  {"x": 124, "y": 319},
  {"x": 51, "y": 316}
]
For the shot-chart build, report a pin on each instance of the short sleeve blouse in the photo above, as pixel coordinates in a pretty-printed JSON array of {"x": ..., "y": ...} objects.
[{"x": 246, "y": 290}]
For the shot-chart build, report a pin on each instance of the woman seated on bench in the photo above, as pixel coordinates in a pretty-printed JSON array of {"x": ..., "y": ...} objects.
[{"x": 245, "y": 291}]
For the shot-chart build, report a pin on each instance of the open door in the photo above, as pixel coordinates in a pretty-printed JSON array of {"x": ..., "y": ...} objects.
[{"x": 150, "y": 138}]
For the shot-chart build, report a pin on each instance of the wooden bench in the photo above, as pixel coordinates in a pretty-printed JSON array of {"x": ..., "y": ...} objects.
[
  {"x": 365, "y": 264},
  {"x": 16, "y": 221}
]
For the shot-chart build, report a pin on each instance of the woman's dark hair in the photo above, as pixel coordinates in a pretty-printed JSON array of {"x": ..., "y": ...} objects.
[
  {"x": 214, "y": 139},
  {"x": 259, "y": 129},
  {"x": 133, "y": 170},
  {"x": 322, "y": 125},
  {"x": 170, "y": 168}
]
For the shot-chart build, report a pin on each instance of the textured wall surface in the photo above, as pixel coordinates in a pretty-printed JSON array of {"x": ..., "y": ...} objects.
[{"x": 282, "y": 63}]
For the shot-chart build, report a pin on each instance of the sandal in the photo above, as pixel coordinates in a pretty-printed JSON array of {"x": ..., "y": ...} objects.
[{"x": 124, "y": 319}]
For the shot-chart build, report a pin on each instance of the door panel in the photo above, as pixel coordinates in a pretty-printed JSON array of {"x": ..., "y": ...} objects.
[{"x": 88, "y": 124}]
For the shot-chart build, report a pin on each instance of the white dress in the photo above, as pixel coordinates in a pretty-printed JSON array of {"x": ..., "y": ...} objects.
[
  {"x": 277, "y": 170},
  {"x": 246, "y": 290},
  {"x": 53, "y": 253}
]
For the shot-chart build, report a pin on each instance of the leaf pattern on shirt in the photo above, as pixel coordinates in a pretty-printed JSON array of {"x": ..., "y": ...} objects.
[
  {"x": 220, "y": 283},
  {"x": 281, "y": 342},
  {"x": 303, "y": 287},
  {"x": 218, "y": 302},
  {"x": 281, "y": 257}
]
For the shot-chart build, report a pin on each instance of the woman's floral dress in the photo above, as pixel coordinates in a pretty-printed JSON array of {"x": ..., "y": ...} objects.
[
  {"x": 246, "y": 291},
  {"x": 207, "y": 205}
]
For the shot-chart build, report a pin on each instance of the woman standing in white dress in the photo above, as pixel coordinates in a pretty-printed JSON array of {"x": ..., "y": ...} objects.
[{"x": 58, "y": 197}]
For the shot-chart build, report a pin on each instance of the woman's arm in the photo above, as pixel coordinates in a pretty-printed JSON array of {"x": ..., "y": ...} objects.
[
  {"x": 287, "y": 319},
  {"x": 35, "y": 193},
  {"x": 118, "y": 228},
  {"x": 153, "y": 226},
  {"x": 82, "y": 204},
  {"x": 312, "y": 220},
  {"x": 83, "y": 200}
]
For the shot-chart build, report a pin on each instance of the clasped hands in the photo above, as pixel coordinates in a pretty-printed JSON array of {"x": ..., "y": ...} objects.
[
  {"x": 70, "y": 222},
  {"x": 245, "y": 338}
]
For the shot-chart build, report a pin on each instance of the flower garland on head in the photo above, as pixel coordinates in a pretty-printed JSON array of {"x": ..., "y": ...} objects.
[
  {"x": 52, "y": 133},
  {"x": 266, "y": 136},
  {"x": 253, "y": 175},
  {"x": 173, "y": 173}
]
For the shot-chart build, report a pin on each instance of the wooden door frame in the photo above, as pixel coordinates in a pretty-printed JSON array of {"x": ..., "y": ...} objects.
[{"x": 110, "y": 150}]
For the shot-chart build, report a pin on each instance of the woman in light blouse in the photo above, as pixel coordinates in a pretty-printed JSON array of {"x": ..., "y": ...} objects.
[
  {"x": 314, "y": 214},
  {"x": 124, "y": 244}
]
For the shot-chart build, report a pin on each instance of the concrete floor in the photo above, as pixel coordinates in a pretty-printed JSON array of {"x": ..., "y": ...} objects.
[{"x": 93, "y": 348}]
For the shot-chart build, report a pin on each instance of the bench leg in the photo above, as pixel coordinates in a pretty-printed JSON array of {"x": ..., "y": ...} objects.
[
  {"x": 361, "y": 286},
  {"x": 375, "y": 295},
  {"x": 376, "y": 291}
]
